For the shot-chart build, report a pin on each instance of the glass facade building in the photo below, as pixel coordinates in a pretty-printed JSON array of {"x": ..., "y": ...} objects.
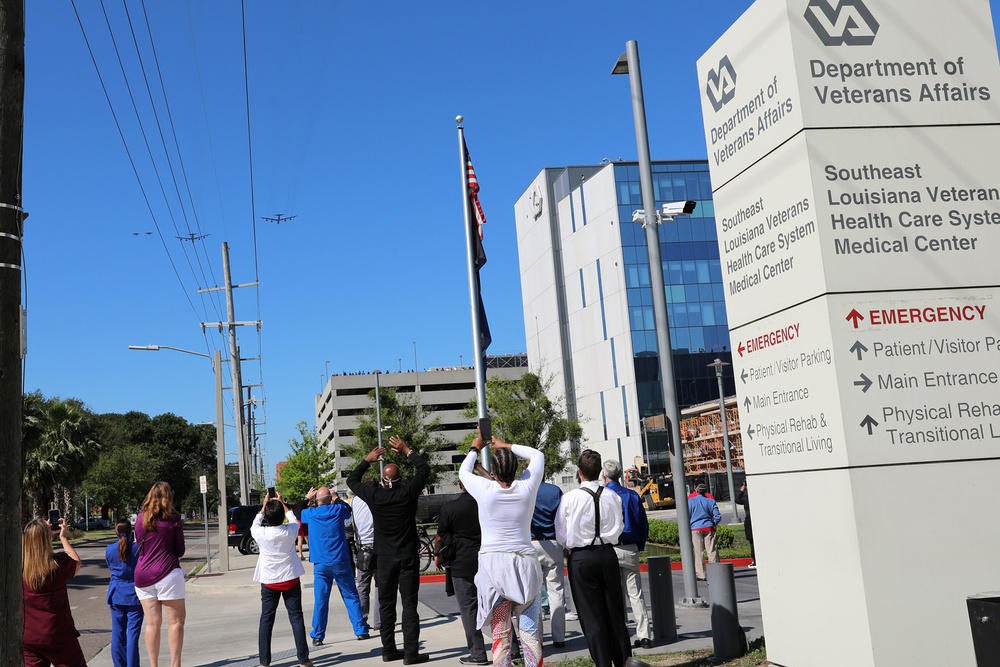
[{"x": 696, "y": 307}]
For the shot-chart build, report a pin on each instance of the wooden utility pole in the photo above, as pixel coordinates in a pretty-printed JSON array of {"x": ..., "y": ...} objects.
[{"x": 11, "y": 231}]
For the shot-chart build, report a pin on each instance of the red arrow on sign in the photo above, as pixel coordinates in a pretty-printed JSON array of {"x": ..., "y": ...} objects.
[
  {"x": 855, "y": 316},
  {"x": 740, "y": 348}
]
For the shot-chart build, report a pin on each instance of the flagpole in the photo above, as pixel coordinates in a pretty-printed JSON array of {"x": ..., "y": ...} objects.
[{"x": 477, "y": 341}]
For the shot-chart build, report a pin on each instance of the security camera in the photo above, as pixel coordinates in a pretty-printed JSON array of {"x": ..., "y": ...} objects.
[{"x": 678, "y": 208}]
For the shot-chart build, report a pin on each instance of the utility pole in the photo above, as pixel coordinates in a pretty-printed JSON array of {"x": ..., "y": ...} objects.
[
  {"x": 235, "y": 364},
  {"x": 11, "y": 232}
]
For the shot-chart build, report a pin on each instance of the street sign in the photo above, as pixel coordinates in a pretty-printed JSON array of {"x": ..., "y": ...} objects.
[{"x": 203, "y": 481}]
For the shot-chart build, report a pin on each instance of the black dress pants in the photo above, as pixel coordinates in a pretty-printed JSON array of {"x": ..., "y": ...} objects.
[
  {"x": 597, "y": 593},
  {"x": 396, "y": 573}
]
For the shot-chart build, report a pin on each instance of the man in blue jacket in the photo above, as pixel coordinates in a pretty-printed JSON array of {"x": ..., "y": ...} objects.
[
  {"x": 330, "y": 555},
  {"x": 630, "y": 543},
  {"x": 704, "y": 516}
]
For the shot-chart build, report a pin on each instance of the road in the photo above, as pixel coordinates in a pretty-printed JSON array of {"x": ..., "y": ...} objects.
[{"x": 88, "y": 589}]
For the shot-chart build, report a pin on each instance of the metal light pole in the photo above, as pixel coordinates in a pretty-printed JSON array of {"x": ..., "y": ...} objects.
[
  {"x": 378, "y": 424},
  {"x": 628, "y": 63},
  {"x": 717, "y": 365},
  {"x": 220, "y": 448}
]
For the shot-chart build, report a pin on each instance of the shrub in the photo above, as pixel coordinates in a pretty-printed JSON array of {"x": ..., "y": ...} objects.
[
  {"x": 663, "y": 532},
  {"x": 724, "y": 536}
]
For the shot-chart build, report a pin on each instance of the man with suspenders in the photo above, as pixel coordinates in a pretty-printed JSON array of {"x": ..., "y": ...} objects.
[{"x": 588, "y": 524}]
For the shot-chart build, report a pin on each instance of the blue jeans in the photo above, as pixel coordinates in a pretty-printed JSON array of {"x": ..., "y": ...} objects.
[
  {"x": 324, "y": 574},
  {"x": 268, "y": 607},
  {"x": 126, "y": 626}
]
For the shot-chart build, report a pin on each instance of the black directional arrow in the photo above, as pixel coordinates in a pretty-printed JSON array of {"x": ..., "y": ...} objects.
[
  {"x": 750, "y": 432},
  {"x": 747, "y": 403},
  {"x": 869, "y": 423},
  {"x": 858, "y": 348},
  {"x": 864, "y": 383},
  {"x": 743, "y": 376}
]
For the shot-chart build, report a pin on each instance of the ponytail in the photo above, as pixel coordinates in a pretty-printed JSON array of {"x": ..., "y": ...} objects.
[{"x": 124, "y": 530}]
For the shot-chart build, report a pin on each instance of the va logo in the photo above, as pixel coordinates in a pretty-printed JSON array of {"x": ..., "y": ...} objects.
[
  {"x": 849, "y": 23},
  {"x": 721, "y": 84}
]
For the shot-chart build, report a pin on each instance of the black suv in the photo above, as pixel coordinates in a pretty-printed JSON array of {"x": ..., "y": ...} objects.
[{"x": 240, "y": 519}]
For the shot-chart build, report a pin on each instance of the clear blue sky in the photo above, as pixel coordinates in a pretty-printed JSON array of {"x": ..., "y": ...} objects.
[{"x": 352, "y": 109}]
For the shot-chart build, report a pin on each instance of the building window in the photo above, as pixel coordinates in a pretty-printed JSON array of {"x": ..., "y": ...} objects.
[
  {"x": 583, "y": 291},
  {"x": 604, "y": 417},
  {"x": 600, "y": 297},
  {"x": 583, "y": 205},
  {"x": 614, "y": 362},
  {"x": 625, "y": 409},
  {"x": 572, "y": 213}
]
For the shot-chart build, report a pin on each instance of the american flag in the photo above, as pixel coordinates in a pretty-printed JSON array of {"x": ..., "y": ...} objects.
[
  {"x": 480, "y": 219},
  {"x": 477, "y": 208}
]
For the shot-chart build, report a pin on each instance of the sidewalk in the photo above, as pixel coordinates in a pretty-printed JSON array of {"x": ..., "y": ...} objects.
[{"x": 223, "y": 610}]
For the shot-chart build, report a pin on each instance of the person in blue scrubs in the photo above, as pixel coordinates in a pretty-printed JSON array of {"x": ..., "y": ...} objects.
[
  {"x": 126, "y": 610},
  {"x": 330, "y": 554}
]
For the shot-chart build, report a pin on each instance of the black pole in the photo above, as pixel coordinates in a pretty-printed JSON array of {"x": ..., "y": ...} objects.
[{"x": 11, "y": 385}]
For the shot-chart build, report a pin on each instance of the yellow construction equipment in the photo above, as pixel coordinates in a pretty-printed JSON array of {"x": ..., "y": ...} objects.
[{"x": 654, "y": 491}]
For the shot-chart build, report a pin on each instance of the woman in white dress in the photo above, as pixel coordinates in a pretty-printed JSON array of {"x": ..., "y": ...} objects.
[{"x": 509, "y": 578}]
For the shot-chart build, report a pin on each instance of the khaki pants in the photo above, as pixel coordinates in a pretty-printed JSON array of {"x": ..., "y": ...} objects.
[
  {"x": 704, "y": 541},
  {"x": 628, "y": 563}
]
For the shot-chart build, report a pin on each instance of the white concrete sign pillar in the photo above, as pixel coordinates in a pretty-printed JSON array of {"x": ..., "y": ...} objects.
[{"x": 852, "y": 147}]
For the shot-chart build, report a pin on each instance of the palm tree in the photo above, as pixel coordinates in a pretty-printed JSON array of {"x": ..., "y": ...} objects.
[{"x": 58, "y": 450}]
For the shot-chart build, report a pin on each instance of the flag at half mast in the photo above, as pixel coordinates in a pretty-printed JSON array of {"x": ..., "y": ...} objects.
[{"x": 478, "y": 218}]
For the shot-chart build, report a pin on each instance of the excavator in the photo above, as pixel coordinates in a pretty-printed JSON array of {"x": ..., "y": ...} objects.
[{"x": 655, "y": 491}]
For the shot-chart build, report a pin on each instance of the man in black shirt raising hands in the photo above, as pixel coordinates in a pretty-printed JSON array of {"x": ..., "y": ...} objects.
[{"x": 397, "y": 568}]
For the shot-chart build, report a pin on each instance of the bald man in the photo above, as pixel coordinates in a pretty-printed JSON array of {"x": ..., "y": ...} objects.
[
  {"x": 397, "y": 568},
  {"x": 330, "y": 555}
]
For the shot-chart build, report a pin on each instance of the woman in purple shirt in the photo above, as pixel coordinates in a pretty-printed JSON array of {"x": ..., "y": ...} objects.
[{"x": 159, "y": 580}]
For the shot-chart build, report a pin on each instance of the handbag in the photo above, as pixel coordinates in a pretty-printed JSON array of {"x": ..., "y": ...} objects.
[{"x": 365, "y": 556}]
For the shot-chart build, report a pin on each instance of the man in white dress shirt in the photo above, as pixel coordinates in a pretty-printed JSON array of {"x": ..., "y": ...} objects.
[
  {"x": 588, "y": 524},
  {"x": 364, "y": 533}
]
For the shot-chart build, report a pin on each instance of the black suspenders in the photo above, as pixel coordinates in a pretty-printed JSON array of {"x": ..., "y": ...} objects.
[{"x": 597, "y": 513}]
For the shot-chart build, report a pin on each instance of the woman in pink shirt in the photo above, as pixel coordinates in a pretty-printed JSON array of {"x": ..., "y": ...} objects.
[{"x": 159, "y": 580}]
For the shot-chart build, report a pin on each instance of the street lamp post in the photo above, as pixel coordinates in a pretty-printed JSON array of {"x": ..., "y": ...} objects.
[
  {"x": 378, "y": 424},
  {"x": 628, "y": 63},
  {"x": 717, "y": 365},
  {"x": 220, "y": 448}
]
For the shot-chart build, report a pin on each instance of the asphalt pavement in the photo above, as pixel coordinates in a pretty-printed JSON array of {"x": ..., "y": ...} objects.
[{"x": 223, "y": 610}]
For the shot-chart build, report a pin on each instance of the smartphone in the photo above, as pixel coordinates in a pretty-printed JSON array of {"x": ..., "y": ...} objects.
[
  {"x": 54, "y": 519},
  {"x": 270, "y": 492}
]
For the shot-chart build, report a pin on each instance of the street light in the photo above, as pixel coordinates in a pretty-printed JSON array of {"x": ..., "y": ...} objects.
[
  {"x": 717, "y": 365},
  {"x": 628, "y": 63},
  {"x": 220, "y": 448}
]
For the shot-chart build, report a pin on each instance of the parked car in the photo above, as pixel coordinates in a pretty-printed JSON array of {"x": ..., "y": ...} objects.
[
  {"x": 240, "y": 519},
  {"x": 95, "y": 523}
]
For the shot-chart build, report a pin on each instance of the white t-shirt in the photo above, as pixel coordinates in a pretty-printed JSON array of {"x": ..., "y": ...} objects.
[
  {"x": 505, "y": 514},
  {"x": 364, "y": 525}
]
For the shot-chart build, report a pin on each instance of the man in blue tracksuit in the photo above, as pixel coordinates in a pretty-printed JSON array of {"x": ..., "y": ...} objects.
[{"x": 330, "y": 555}]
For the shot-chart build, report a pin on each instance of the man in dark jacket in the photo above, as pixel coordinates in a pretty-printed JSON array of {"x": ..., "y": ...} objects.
[
  {"x": 397, "y": 568},
  {"x": 456, "y": 547}
]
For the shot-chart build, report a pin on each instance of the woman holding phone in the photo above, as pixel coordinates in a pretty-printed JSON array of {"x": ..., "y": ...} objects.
[
  {"x": 159, "y": 580},
  {"x": 50, "y": 636},
  {"x": 278, "y": 570}
]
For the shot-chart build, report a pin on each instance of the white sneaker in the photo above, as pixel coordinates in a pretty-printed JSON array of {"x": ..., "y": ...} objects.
[
  {"x": 752, "y": 566},
  {"x": 572, "y": 616}
]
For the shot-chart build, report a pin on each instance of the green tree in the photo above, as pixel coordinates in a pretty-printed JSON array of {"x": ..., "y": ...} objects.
[
  {"x": 522, "y": 413},
  {"x": 119, "y": 479},
  {"x": 165, "y": 447},
  {"x": 403, "y": 418},
  {"x": 309, "y": 465},
  {"x": 59, "y": 448}
]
